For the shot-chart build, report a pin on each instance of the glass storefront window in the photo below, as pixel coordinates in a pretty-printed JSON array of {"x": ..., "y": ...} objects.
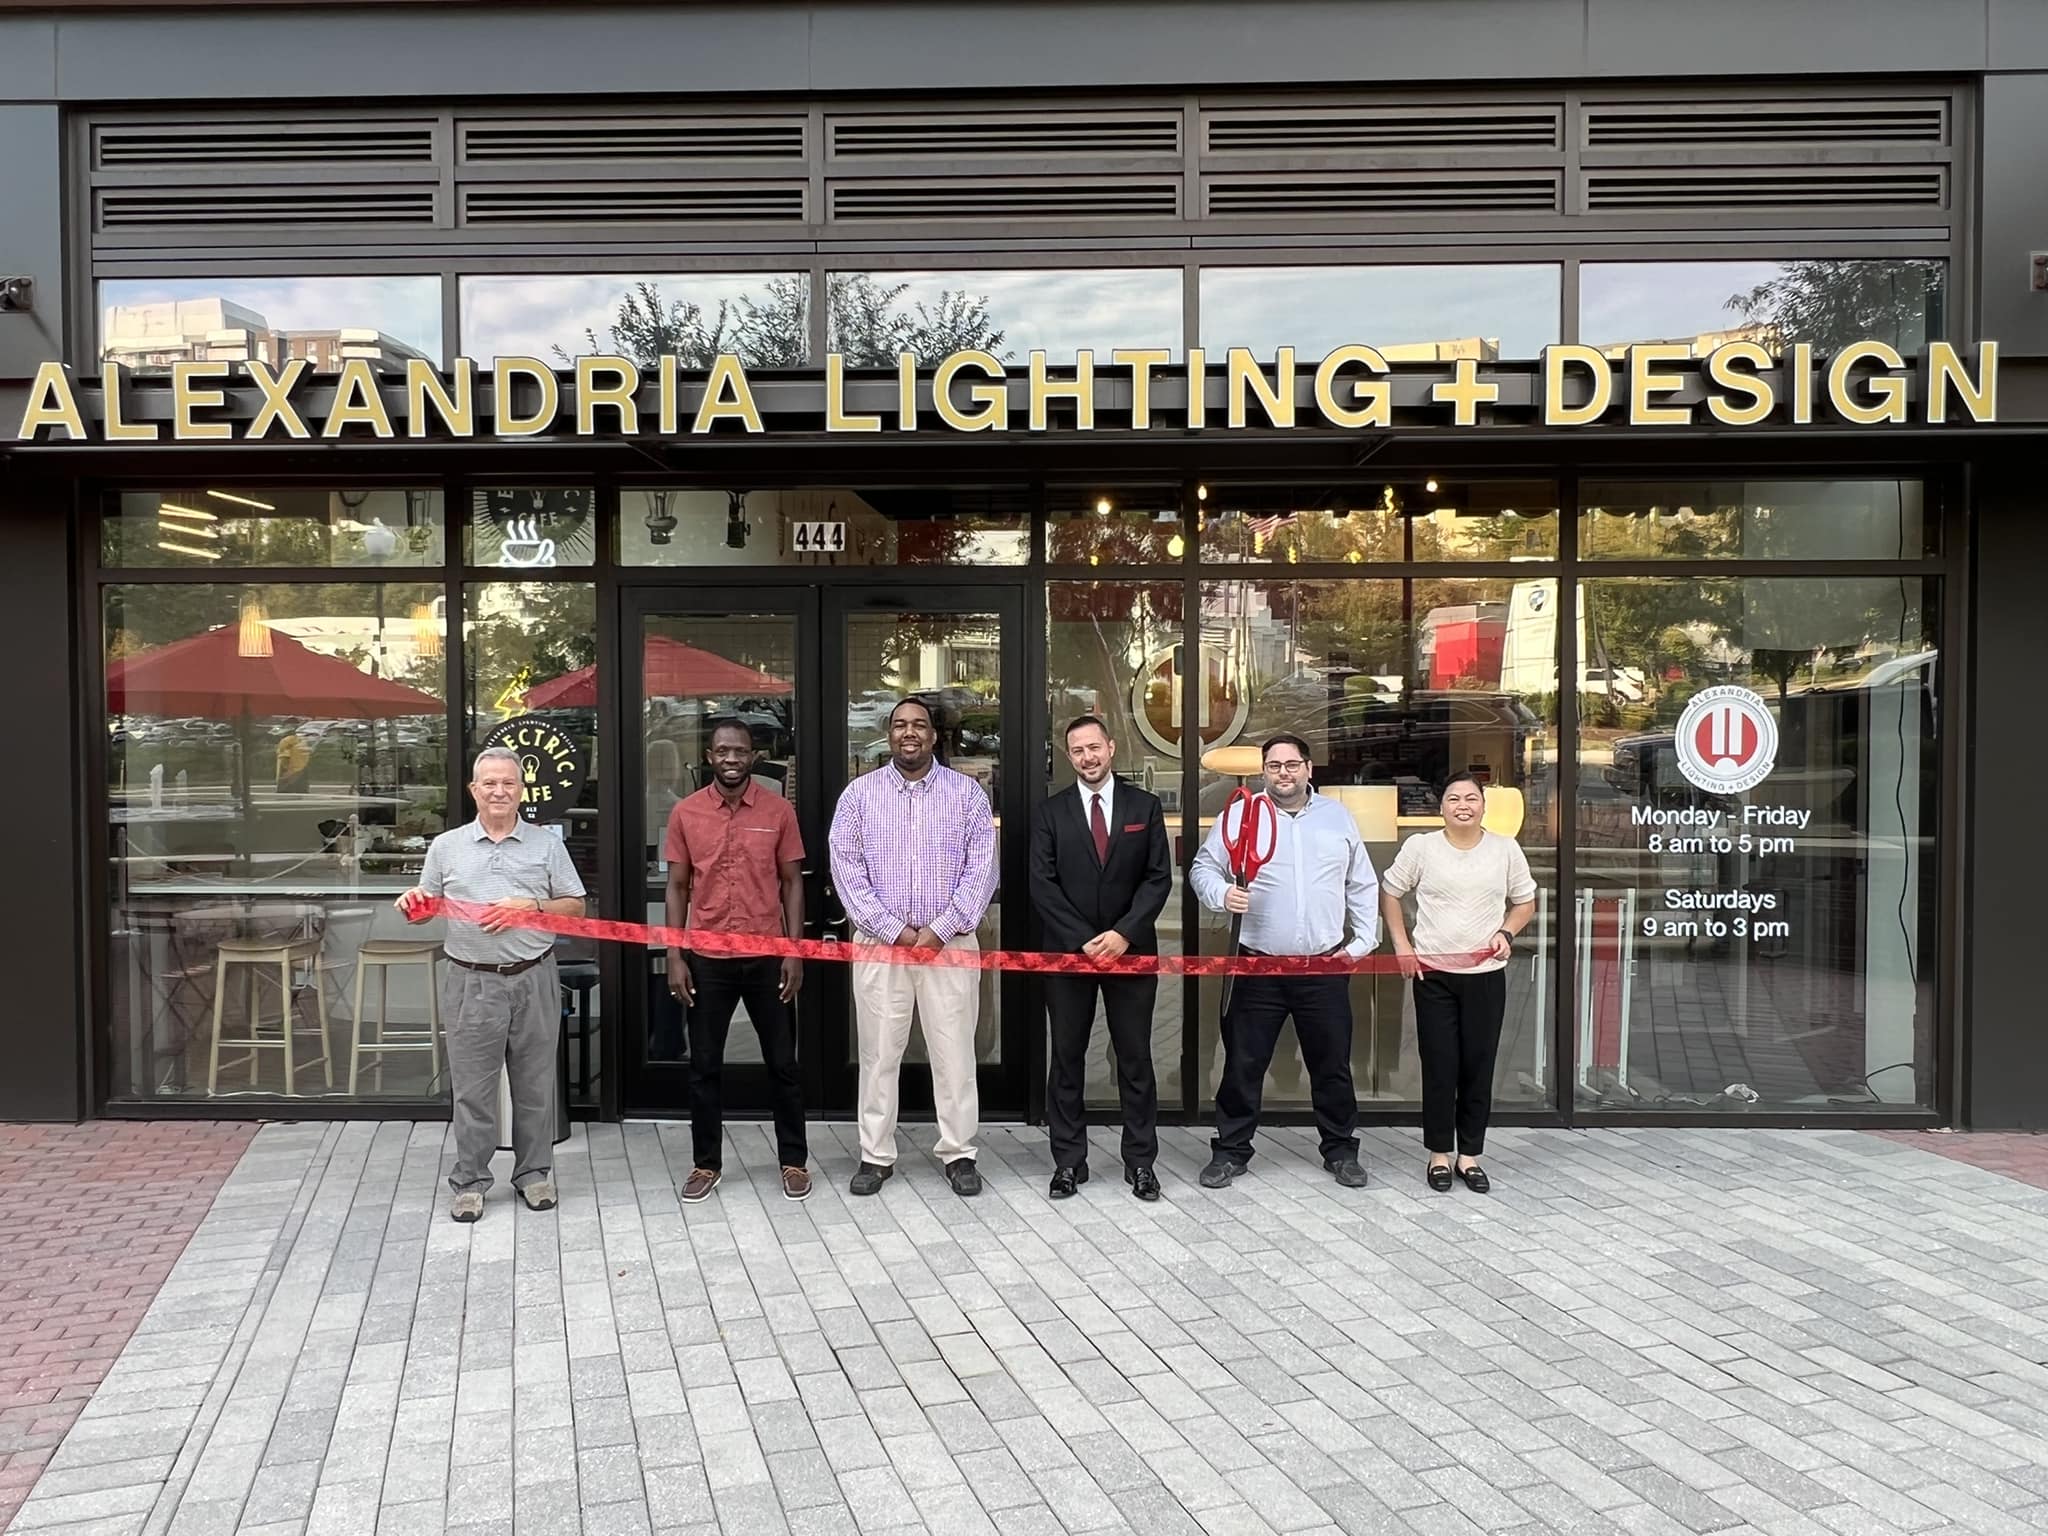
[
  {"x": 1429, "y": 519},
  {"x": 1755, "y": 520},
  {"x": 530, "y": 649},
  {"x": 1830, "y": 303},
  {"x": 1113, "y": 525},
  {"x": 1758, "y": 800},
  {"x": 149, "y": 324},
  {"x": 1110, "y": 649},
  {"x": 761, "y": 317},
  {"x": 276, "y": 766},
  {"x": 531, "y": 528},
  {"x": 820, "y": 527},
  {"x": 1411, "y": 313},
  {"x": 1395, "y": 685},
  {"x": 874, "y": 317},
  {"x": 238, "y": 525}
]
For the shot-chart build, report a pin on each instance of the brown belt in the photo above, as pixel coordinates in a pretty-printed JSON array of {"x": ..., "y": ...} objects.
[{"x": 496, "y": 968}]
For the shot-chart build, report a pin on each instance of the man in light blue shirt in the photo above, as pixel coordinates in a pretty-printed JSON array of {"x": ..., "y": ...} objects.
[{"x": 1317, "y": 895}]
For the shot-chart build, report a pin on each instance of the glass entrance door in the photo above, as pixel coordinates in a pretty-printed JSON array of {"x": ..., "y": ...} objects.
[{"x": 813, "y": 675}]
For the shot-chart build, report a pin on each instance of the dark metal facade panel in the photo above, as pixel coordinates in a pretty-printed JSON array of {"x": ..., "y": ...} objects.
[
  {"x": 1755, "y": 37},
  {"x": 2013, "y": 220},
  {"x": 32, "y": 235},
  {"x": 1466, "y": 170}
]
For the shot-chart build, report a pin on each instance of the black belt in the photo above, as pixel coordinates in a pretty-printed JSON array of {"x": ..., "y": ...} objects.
[{"x": 501, "y": 968}]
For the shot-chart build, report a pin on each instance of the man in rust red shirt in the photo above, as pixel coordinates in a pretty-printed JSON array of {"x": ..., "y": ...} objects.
[{"x": 735, "y": 865}]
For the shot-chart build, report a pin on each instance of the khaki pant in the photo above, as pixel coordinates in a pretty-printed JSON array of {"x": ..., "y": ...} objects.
[
  {"x": 502, "y": 1023},
  {"x": 946, "y": 1000}
]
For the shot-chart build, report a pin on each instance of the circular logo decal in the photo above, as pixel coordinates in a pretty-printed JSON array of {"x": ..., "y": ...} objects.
[
  {"x": 1156, "y": 703},
  {"x": 1538, "y": 598},
  {"x": 551, "y": 768},
  {"x": 1727, "y": 741}
]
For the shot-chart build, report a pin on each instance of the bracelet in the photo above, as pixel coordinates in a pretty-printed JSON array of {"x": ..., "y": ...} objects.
[{"x": 1506, "y": 933}]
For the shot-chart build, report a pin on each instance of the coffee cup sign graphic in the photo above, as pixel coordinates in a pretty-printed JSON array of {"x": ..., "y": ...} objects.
[
  {"x": 1726, "y": 740},
  {"x": 551, "y": 766}
]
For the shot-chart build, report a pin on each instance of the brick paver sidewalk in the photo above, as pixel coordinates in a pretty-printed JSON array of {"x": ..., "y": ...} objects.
[
  {"x": 2017, "y": 1156},
  {"x": 1640, "y": 1333},
  {"x": 92, "y": 1218}
]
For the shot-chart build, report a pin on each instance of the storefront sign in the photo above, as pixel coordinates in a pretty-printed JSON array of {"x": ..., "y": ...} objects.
[
  {"x": 1726, "y": 741},
  {"x": 551, "y": 766},
  {"x": 1354, "y": 388}
]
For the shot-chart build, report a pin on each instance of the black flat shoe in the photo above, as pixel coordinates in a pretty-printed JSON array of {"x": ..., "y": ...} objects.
[
  {"x": 867, "y": 1179},
  {"x": 963, "y": 1176},
  {"x": 1143, "y": 1181},
  {"x": 1067, "y": 1181},
  {"x": 1440, "y": 1177},
  {"x": 1475, "y": 1179}
]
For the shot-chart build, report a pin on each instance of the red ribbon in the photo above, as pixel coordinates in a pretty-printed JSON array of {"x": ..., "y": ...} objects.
[{"x": 703, "y": 941}]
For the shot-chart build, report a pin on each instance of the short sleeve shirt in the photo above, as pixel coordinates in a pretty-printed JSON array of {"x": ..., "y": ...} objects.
[
  {"x": 1461, "y": 894},
  {"x": 735, "y": 855},
  {"x": 466, "y": 865}
]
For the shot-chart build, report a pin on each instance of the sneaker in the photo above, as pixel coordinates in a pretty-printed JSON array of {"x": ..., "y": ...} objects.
[
  {"x": 796, "y": 1183},
  {"x": 467, "y": 1206},
  {"x": 539, "y": 1194},
  {"x": 1346, "y": 1171},
  {"x": 867, "y": 1179},
  {"x": 699, "y": 1184},
  {"x": 1221, "y": 1171}
]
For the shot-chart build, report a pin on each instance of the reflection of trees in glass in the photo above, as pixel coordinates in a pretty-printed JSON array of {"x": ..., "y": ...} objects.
[
  {"x": 771, "y": 331},
  {"x": 871, "y": 326},
  {"x": 1835, "y": 303}
]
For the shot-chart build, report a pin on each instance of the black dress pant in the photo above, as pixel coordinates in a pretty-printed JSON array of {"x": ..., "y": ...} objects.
[
  {"x": 1321, "y": 1009},
  {"x": 1457, "y": 1034},
  {"x": 1070, "y": 1004},
  {"x": 721, "y": 986}
]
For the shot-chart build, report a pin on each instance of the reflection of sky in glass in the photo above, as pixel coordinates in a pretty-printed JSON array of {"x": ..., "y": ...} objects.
[
  {"x": 1318, "y": 309},
  {"x": 1060, "y": 312},
  {"x": 531, "y": 316},
  {"x": 1664, "y": 300},
  {"x": 407, "y": 309}
]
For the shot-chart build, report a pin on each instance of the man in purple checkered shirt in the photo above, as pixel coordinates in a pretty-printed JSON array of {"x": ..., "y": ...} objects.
[{"x": 914, "y": 858}]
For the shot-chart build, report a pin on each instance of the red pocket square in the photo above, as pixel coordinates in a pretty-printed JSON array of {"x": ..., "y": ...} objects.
[{"x": 1135, "y": 826}]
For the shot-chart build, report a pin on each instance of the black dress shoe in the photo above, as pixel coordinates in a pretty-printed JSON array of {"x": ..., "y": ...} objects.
[
  {"x": 1439, "y": 1177},
  {"x": 1346, "y": 1171},
  {"x": 963, "y": 1176},
  {"x": 867, "y": 1179},
  {"x": 1066, "y": 1181},
  {"x": 1475, "y": 1179},
  {"x": 1221, "y": 1171},
  {"x": 1143, "y": 1181}
]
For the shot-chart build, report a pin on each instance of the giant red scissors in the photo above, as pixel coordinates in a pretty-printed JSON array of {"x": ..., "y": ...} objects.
[{"x": 1251, "y": 828}]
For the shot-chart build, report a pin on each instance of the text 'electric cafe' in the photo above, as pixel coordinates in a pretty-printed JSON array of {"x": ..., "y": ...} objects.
[{"x": 1662, "y": 454}]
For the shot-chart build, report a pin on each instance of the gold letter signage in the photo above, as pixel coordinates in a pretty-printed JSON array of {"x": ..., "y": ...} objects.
[{"x": 1352, "y": 388}]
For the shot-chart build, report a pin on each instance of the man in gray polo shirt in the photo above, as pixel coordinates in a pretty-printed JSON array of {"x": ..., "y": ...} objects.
[{"x": 500, "y": 997}]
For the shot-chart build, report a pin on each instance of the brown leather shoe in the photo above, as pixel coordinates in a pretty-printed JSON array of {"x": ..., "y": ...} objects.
[
  {"x": 796, "y": 1183},
  {"x": 699, "y": 1184}
]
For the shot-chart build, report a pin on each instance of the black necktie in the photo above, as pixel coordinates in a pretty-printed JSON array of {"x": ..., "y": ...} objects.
[{"x": 1099, "y": 827}]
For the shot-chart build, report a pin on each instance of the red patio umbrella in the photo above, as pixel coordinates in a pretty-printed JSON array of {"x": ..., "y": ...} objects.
[
  {"x": 208, "y": 675},
  {"x": 669, "y": 670}
]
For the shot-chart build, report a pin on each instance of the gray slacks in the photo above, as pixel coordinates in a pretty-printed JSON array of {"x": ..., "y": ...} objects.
[{"x": 493, "y": 1020}]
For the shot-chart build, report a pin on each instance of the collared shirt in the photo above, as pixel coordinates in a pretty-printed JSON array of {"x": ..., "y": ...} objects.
[
  {"x": 735, "y": 855},
  {"x": 467, "y": 865},
  {"x": 914, "y": 853},
  {"x": 1318, "y": 883},
  {"x": 1107, "y": 794}
]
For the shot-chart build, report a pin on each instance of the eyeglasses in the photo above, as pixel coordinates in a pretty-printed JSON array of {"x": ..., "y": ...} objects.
[{"x": 1291, "y": 765}]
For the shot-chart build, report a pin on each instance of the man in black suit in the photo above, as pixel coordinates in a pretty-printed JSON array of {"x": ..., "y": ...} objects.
[{"x": 1100, "y": 875}]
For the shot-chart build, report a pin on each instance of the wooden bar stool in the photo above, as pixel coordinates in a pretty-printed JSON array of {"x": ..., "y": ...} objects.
[
  {"x": 384, "y": 954},
  {"x": 255, "y": 954}
]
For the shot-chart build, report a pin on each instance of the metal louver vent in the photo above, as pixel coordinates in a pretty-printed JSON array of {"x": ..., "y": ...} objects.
[
  {"x": 250, "y": 207},
  {"x": 1653, "y": 125},
  {"x": 1620, "y": 191},
  {"x": 1404, "y": 192},
  {"x": 992, "y": 135},
  {"x": 948, "y": 201},
  {"x": 141, "y": 146},
  {"x": 672, "y": 202},
  {"x": 1421, "y": 127},
  {"x": 633, "y": 138}
]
